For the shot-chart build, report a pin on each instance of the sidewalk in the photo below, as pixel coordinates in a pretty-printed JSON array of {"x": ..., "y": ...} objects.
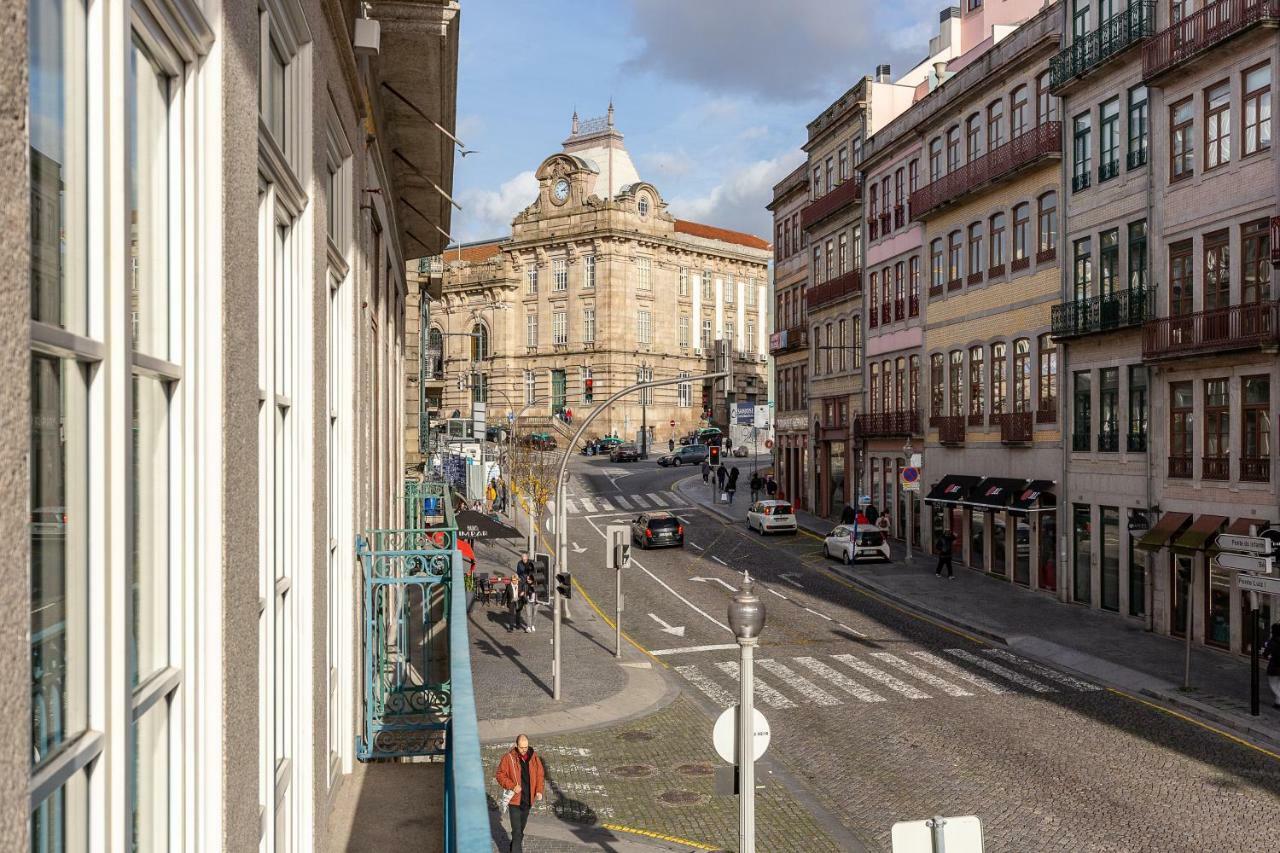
[{"x": 1106, "y": 648}]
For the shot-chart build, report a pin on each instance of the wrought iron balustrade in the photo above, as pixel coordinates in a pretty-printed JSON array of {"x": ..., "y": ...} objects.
[
  {"x": 1015, "y": 427},
  {"x": 844, "y": 194},
  {"x": 834, "y": 290},
  {"x": 1041, "y": 141},
  {"x": 1101, "y": 313},
  {"x": 1136, "y": 158},
  {"x": 1215, "y": 468},
  {"x": 1136, "y": 442},
  {"x": 1234, "y": 327},
  {"x": 1255, "y": 469},
  {"x": 881, "y": 424},
  {"x": 1180, "y": 467},
  {"x": 1109, "y": 441},
  {"x": 951, "y": 429},
  {"x": 1112, "y": 37},
  {"x": 1080, "y": 441},
  {"x": 1214, "y": 23}
]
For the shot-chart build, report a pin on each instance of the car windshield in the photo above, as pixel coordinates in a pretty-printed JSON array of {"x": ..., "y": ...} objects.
[
  {"x": 663, "y": 524},
  {"x": 870, "y": 538},
  {"x": 627, "y": 447},
  {"x": 782, "y": 509}
]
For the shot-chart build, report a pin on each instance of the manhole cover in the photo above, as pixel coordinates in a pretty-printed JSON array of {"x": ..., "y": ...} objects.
[
  {"x": 680, "y": 798},
  {"x": 636, "y": 736},
  {"x": 634, "y": 771},
  {"x": 696, "y": 769}
]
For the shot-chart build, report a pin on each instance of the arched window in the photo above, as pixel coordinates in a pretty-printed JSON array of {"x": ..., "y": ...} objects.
[
  {"x": 1048, "y": 222},
  {"x": 875, "y": 388},
  {"x": 1022, "y": 375},
  {"x": 479, "y": 342},
  {"x": 1018, "y": 112},
  {"x": 435, "y": 351}
]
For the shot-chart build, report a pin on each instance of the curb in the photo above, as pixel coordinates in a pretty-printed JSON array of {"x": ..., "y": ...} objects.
[{"x": 1260, "y": 736}]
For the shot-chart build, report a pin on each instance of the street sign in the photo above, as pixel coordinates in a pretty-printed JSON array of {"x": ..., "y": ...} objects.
[
  {"x": 768, "y": 444},
  {"x": 954, "y": 834},
  {"x": 864, "y": 500},
  {"x": 673, "y": 424},
  {"x": 725, "y": 735},
  {"x": 1247, "y": 544},
  {"x": 1255, "y": 583},
  {"x": 1244, "y": 562},
  {"x": 615, "y": 535}
]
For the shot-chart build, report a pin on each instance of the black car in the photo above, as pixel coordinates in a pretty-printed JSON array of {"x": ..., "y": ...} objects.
[
  {"x": 624, "y": 453},
  {"x": 600, "y": 446},
  {"x": 657, "y": 530},
  {"x": 690, "y": 454}
]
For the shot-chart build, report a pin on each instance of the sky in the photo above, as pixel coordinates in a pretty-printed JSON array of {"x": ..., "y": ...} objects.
[{"x": 712, "y": 96}]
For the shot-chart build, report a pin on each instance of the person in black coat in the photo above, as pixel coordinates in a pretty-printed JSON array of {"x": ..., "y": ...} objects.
[
  {"x": 732, "y": 485},
  {"x": 1272, "y": 652},
  {"x": 944, "y": 554},
  {"x": 848, "y": 515},
  {"x": 756, "y": 485}
]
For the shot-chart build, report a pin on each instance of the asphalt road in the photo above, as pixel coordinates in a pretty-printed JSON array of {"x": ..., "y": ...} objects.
[{"x": 883, "y": 716}]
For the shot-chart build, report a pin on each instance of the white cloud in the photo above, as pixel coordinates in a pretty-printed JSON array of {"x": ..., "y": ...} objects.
[
  {"x": 739, "y": 200},
  {"x": 666, "y": 164},
  {"x": 756, "y": 131},
  {"x": 488, "y": 213}
]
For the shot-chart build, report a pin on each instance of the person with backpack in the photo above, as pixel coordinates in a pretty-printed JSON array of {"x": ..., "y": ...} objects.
[{"x": 770, "y": 486}]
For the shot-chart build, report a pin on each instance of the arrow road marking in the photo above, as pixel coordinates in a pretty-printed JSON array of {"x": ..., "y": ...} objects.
[
  {"x": 667, "y": 627},
  {"x": 578, "y": 549},
  {"x": 718, "y": 560},
  {"x": 716, "y": 580},
  {"x": 789, "y": 577}
]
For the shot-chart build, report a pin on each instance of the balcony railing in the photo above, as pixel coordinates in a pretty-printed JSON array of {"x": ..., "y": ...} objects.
[
  {"x": 1255, "y": 469},
  {"x": 1275, "y": 240},
  {"x": 1023, "y": 150},
  {"x": 1101, "y": 313},
  {"x": 1215, "y": 468},
  {"x": 1136, "y": 158},
  {"x": 886, "y": 314},
  {"x": 1080, "y": 441},
  {"x": 1048, "y": 411},
  {"x": 834, "y": 290},
  {"x": 1180, "y": 467},
  {"x": 1216, "y": 330},
  {"x": 951, "y": 429},
  {"x": 913, "y": 306},
  {"x": 873, "y": 228},
  {"x": 873, "y": 318},
  {"x": 882, "y": 424},
  {"x": 1136, "y": 442},
  {"x": 899, "y": 309},
  {"x": 1111, "y": 38},
  {"x": 846, "y": 193},
  {"x": 789, "y": 340},
  {"x": 1201, "y": 30},
  {"x": 1015, "y": 428},
  {"x": 1109, "y": 441}
]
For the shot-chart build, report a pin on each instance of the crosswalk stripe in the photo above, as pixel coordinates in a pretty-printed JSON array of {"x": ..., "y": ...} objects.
[
  {"x": 764, "y": 692},
  {"x": 657, "y": 501},
  {"x": 963, "y": 674},
  {"x": 799, "y": 683},
  {"x": 570, "y": 506},
  {"x": 1052, "y": 674},
  {"x": 621, "y": 502},
  {"x": 839, "y": 679},
  {"x": 640, "y": 501},
  {"x": 604, "y": 504},
  {"x": 927, "y": 677},
  {"x": 714, "y": 691},
  {"x": 1002, "y": 671},
  {"x": 587, "y": 505},
  {"x": 883, "y": 677}
]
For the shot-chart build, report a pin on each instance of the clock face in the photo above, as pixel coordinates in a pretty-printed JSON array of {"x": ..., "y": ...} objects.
[{"x": 561, "y": 190}]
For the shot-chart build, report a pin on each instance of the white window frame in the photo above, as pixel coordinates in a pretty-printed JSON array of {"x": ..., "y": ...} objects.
[
  {"x": 589, "y": 324},
  {"x": 559, "y": 328},
  {"x": 531, "y": 279},
  {"x": 588, "y": 272},
  {"x": 684, "y": 331},
  {"x": 683, "y": 282},
  {"x": 560, "y": 274},
  {"x": 644, "y": 327},
  {"x": 644, "y": 274},
  {"x": 531, "y": 329},
  {"x": 684, "y": 392}
]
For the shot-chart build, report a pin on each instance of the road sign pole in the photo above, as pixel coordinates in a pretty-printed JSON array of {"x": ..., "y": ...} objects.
[
  {"x": 617, "y": 614},
  {"x": 1255, "y": 639},
  {"x": 746, "y": 749}
]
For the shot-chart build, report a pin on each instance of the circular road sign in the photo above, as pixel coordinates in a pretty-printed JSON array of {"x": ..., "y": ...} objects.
[
  {"x": 725, "y": 734},
  {"x": 673, "y": 424},
  {"x": 768, "y": 444},
  {"x": 910, "y": 475}
]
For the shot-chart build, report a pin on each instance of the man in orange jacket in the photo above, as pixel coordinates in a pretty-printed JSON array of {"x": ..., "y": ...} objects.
[{"x": 520, "y": 771}]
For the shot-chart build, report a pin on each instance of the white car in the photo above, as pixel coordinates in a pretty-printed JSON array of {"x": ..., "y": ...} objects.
[
  {"x": 871, "y": 544},
  {"x": 771, "y": 517}
]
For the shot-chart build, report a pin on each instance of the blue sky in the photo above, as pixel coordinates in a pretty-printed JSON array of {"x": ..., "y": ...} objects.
[{"x": 712, "y": 95}]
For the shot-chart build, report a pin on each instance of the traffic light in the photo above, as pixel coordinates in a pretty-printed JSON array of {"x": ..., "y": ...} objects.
[
  {"x": 621, "y": 555},
  {"x": 541, "y": 572},
  {"x": 588, "y": 392},
  {"x": 713, "y": 454},
  {"x": 564, "y": 584}
]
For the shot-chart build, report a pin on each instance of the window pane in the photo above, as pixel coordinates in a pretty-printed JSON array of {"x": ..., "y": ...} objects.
[
  {"x": 60, "y": 822},
  {"x": 147, "y": 124},
  {"x": 151, "y": 779},
  {"x": 56, "y": 108},
  {"x": 59, "y": 617},
  {"x": 149, "y": 513}
]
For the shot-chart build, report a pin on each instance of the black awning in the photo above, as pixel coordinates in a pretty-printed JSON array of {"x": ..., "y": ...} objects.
[
  {"x": 994, "y": 493},
  {"x": 951, "y": 489},
  {"x": 477, "y": 525},
  {"x": 1038, "y": 494}
]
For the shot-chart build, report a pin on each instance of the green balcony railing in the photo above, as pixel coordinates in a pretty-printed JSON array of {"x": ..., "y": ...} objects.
[
  {"x": 1115, "y": 35},
  {"x": 1101, "y": 313}
]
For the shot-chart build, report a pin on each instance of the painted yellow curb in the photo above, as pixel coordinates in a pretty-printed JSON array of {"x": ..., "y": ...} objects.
[{"x": 617, "y": 827}]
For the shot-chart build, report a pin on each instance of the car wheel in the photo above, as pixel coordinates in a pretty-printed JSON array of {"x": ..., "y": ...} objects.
[
  {"x": 826, "y": 553},
  {"x": 676, "y": 463},
  {"x": 848, "y": 557}
]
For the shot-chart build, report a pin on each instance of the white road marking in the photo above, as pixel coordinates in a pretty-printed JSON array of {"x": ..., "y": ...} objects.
[
  {"x": 657, "y": 501},
  {"x": 604, "y": 504},
  {"x": 883, "y": 677},
  {"x": 927, "y": 677},
  {"x": 667, "y": 627},
  {"x": 713, "y": 691},
  {"x": 775, "y": 592},
  {"x": 694, "y": 545},
  {"x": 799, "y": 683},
  {"x": 764, "y": 692},
  {"x": 1003, "y": 671},
  {"x": 621, "y": 502},
  {"x": 720, "y": 647},
  {"x": 816, "y": 613},
  {"x": 718, "y": 560},
  {"x": 570, "y": 507},
  {"x": 1053, "y": 674},
  {"x": 587, "y": 504},
  {"x": 853, "y": 631},
  {"x": 640, "y": 501},
  {"x": 839, "y": 679},
  {"x": 715, "y": 580},
  {"x": 578, "y": 549},
  {"x": 957, "y": 672},
  {"x": 789, "y": 578}
]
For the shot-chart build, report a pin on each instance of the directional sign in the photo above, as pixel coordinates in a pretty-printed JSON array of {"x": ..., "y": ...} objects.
[
  {"x": 725, "y": 735},
  {"x": 1254, "y": 583},
  {"x": 1247, "y": 544},
  {"x": 1244, "y": 563}
]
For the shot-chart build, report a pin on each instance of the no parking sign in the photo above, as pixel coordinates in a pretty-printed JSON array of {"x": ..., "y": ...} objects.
[{"x": 910, "y": 479}]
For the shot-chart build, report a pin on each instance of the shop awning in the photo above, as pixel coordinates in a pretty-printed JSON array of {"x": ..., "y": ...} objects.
[
  {"x": 1239, "y": 527},
  {"x": 1202, "y": 530},
  {"x": 951, "y": 489},
  {"x": 1169, "y": 524},
  {"x": 994, "y": 493},
  {"x": 1037, "y": 496}
]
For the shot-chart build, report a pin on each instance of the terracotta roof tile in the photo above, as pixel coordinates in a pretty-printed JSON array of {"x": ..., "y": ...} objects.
[
  {"x": 711, "y": 232},
  {"x": 473, "y": 253}
]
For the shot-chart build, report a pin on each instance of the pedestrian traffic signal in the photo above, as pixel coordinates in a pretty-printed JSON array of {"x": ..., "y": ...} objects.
[
  {"x": 621, "y": 555},
  {"x": 713, "y": 454},
  {"x": 588, "y": 390},
  {"x": 541, "y": 573},
  {"x": 564, "y": 584}
]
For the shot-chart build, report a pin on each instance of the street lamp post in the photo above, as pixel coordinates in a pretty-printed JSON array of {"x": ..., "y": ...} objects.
[
  {"x": 746, "y": 620},
  {"x": 907, "y": 450}
]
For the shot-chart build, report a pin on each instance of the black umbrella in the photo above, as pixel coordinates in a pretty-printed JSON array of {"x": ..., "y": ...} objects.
[{"x": 477, "y": 525}]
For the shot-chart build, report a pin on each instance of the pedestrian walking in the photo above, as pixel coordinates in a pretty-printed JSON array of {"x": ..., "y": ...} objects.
[
  {"x": 770, "y": 486},
  {"x": 490, "y": 497},
  {"x": 732, "y": 485},
  {"x": 511, "y": 597},
  {"x": 1272, "y": 651},
  {"x": 527, "y": 608},
  {"x": 524, "y": 567},
  {"x": 847, "y": 516},
  {"x": 706, "y": 471},
  {"x": 671, "y": 445},
  {"x": 721, "y": 474},
  {"x": 521, "y": 775},
  {"x": 944, "y": 556},
  {"x": 882, "y": 524},
  {"x": 756, "y": 485},
  {"x": 502, "y": 496}
]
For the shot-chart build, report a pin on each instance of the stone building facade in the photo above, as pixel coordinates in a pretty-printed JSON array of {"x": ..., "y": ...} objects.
[{"x": 598, "y": 287}]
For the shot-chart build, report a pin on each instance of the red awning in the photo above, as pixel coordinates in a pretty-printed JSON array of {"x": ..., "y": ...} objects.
[
  {"x": 1201, "y": 531},
  {"x": 1157, "y": 537}
]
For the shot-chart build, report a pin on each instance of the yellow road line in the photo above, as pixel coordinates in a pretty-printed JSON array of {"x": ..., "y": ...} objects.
[
  {"x": 696, "y": 845},
  {"x": 1195, "y": 722}
]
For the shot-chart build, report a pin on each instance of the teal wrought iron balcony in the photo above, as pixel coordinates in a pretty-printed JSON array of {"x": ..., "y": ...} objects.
[
  {"x": 1101, "y": 313},
  {"x": 1112, "y": 37}
]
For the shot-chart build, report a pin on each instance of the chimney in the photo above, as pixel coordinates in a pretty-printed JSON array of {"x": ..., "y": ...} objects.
[{"x": 882, "y": 74}]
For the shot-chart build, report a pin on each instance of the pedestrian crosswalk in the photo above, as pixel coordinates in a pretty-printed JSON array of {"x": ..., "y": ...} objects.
[
  {"x": 906, "y": 675},
  {"x": 598, "y": 504}
]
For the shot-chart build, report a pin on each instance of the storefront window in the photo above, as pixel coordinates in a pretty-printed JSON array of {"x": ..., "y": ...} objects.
[
  {"x": 1217, "y": 608},
  {"x": 838, "y": 496},
  {"x": 1264, "y": 621},
  {"x": 1110, "y": 558},
  {"x": 956, "y": 521},
  {"x": 1022, "y": 550},
  {"x": 1181, "y": 568},
  {"x": 1137, "y": 574},
  {"x": 998, "y": 560},
  {"x": 1048, "y": 555},
  {"x": 1082, "y": 553},
  {"x": 978, "y": 540}
]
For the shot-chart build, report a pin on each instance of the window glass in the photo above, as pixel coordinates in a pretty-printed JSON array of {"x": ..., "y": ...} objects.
[
  {"x": 1047, "y": 220},
  {"x": 1257, "y": 109},
  {"x": 1082, "y": 553},
  {"x": 1138, "y": 126},
  {"x": 1110, "y": 564},
  {"x": 1255, "y": 263},
  {"x": 1082, "y": 410},
  {"x": 1182, "y": 143},
  {"x": 1217, "y": 120}
]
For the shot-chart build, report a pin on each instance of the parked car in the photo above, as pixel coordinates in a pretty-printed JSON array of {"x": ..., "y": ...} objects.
[
  {"x": 771, "y": 517},
  {"x": 600, "y": 446},
  {"x": 657, "y": 529},
  {"x": 624, "y": 453},
  {"x": 709, "y": 435},
  {"x": 690, "y": 454},
  {"x": 871, "y": 545},
  {"x": 539, "y": 441}
]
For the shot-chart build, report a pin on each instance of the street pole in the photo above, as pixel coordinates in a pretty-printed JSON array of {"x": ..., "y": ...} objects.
[
  {"x": 1255, "y": 639},
  {"x": 907, "y": 450},
  {"x": 617, "y": 614},
  {"x": 644, "y": 421},
  {"x": 746, "y": 620}
]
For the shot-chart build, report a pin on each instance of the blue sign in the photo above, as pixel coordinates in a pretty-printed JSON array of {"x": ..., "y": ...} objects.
[{"x": 745, "y": 414}]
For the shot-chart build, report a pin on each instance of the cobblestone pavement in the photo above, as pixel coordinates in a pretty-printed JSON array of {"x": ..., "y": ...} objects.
[
  {"x": 657, "y": 774},
  {"x": 1047, "y": 764}
]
